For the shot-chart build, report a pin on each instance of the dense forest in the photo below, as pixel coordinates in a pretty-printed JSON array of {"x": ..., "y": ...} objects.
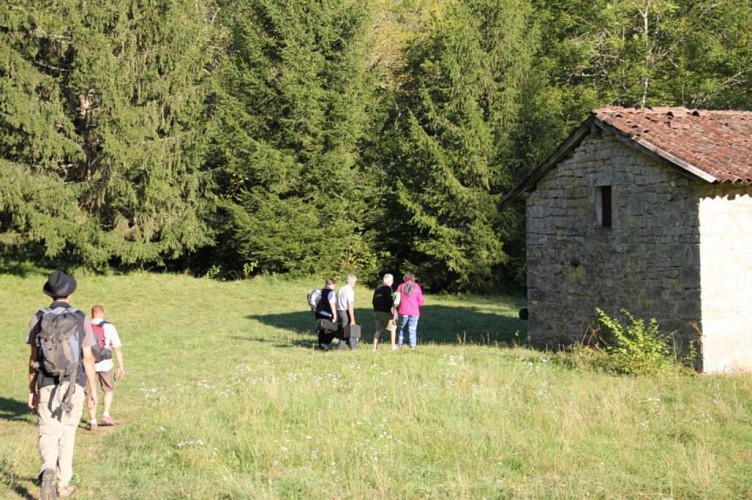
[{"x": 300, "y": 137}]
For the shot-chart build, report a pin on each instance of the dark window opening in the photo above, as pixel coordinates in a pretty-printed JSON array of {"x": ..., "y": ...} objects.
[{"x": 603, "y": 205}]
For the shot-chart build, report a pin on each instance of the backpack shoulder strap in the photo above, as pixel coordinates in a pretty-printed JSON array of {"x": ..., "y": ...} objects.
[{"x": 40, "y": 314}]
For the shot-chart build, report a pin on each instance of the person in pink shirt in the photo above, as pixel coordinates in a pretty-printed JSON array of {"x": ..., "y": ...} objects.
[{"x": 410, "y": 302}]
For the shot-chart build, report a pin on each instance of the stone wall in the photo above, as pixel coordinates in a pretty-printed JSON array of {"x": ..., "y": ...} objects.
[
  {"x": 726, "y": 257},
  {"x": 648, "y": 262}
]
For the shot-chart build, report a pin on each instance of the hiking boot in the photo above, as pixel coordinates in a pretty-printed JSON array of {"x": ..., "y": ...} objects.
[
  {"x": 48, "y": 489},
  {"x": 65, "y": 491},
  {"x": 107, "y": 420}
]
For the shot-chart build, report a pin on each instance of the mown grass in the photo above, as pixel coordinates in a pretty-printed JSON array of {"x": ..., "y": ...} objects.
[{"x": 224, "y": 397}]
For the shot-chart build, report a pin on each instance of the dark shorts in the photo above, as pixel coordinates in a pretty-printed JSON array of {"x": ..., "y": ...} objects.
[{"x": 380, "y": 321}]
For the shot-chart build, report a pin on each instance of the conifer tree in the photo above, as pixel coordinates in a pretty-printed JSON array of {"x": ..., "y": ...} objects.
[
  {"x": 458, "y": 107},
  {"x": 100, "y": 111},
  {"x": 291, "y": 116}
]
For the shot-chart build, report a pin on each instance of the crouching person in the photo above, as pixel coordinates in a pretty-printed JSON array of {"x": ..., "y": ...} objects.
[{"x": 326, "y": 315}]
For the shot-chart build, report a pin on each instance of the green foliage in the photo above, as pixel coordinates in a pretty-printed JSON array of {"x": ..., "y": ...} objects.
[
  {"x": 638, "y": 348},
  {"x": 457, "y": 109},
  {"x": 270, "y": 136},
  {"x": 290, "y": 116},
  {"x": 638, "y": 53},
  {"x": 101, "y": 109}
]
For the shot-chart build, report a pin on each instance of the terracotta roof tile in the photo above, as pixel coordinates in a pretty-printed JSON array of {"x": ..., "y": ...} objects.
[{"x": 716, "y": 143}]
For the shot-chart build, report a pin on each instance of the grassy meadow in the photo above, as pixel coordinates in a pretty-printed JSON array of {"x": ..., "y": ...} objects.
[{"x": 225, "y": 397}]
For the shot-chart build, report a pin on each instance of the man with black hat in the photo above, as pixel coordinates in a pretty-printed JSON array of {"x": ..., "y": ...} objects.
[{"x": 59, "y": 401}]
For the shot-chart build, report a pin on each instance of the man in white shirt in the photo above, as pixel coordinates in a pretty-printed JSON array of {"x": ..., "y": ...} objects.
[
  {"x": 346, "y": 310},
  {"x": 108, "y": 341}
]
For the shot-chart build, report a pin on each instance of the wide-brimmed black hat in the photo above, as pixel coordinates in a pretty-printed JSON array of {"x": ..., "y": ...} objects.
[{"x": 59, "y": 284}]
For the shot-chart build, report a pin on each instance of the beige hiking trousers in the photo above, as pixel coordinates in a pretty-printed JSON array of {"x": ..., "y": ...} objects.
[{"x": 57, "y": 430}]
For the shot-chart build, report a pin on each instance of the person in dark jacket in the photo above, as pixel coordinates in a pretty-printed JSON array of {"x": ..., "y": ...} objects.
[
  {"x": 384, "y": 313},
  {"x": 326, "y": 315}
]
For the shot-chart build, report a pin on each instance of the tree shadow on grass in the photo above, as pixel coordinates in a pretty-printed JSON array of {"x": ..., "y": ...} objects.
[
  {"x": 301, "y": 323},
  {"x": 20, "y": 268},
  {"x": 438, "y": 325},
  {"x": 13, "y": 410}
]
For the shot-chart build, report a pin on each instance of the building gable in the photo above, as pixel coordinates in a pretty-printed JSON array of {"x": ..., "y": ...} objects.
[{"x": 715, "y": 146}]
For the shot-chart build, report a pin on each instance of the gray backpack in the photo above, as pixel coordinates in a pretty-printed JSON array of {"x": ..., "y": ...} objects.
[{"x": 59, "y": 346}]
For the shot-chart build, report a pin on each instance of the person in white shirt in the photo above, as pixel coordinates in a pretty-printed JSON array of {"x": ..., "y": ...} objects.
[
  {"x": 346, "y": 310},
  {"x": 108, "y": 342}
]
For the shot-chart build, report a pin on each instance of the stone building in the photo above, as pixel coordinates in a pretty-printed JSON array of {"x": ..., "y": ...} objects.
[{"x": 647, "y": 210}]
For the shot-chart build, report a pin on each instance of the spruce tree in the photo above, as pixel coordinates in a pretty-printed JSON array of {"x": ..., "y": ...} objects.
[
  {"x": 102, "y": 107},
  {"x": 291, "y": 115},
  {"x": 457, "y": 111}
]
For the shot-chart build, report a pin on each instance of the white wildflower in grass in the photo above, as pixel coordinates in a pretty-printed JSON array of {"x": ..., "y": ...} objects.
[
  {"x": 453, "y": 360},
  {"x": 190, "y": 442},
  {"x": 148, "y": 391},
  {"x": 153, "y": 393}
]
